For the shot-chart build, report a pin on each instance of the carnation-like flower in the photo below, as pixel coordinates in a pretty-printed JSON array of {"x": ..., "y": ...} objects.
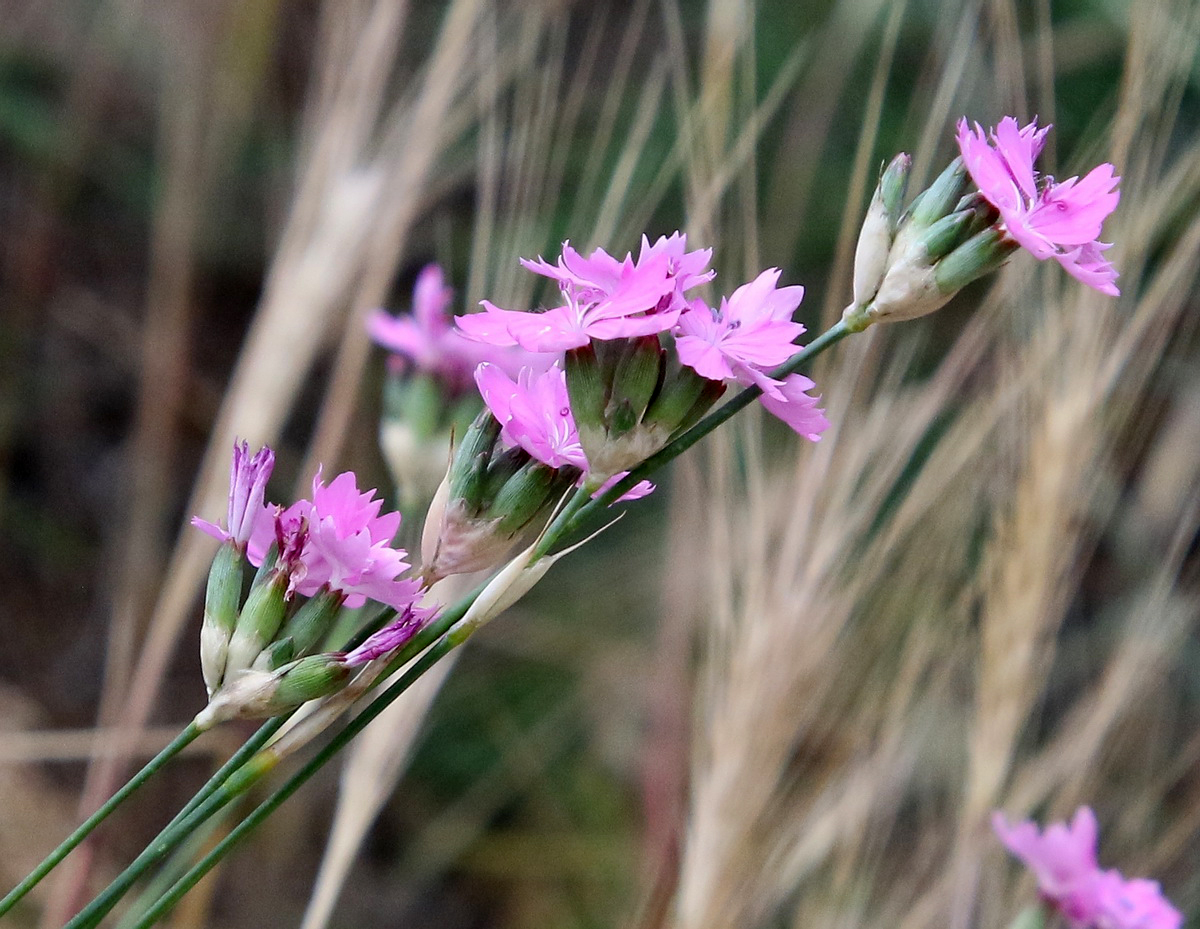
[
  {"x": 1059, "y": 220},
  {"x": 248, "y": 518},
  {"x": 349, "y": 547},
  {"x": 534, "y": 412},
  {"x": 427, "y": 341},
  {"x": 750, "y": 333},
  {"x": 1063, "y": 859},
  {"x": 605, "y": 298}
]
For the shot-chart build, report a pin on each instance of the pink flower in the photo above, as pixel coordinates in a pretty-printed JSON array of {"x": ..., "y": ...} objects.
[
  {"x": 1063, "y": 859},
  {"x": 1052, "y": 220},
  {"x": 428, "y": 342},
  {"x": 751, "y": 333},
  {"x": 248, "y": 518},
  {"x": 408, "y": 623},
  {"x": 636, "y": 492},
  {"x": 752, "y": 330},
  {"x": 1134, "y": 904},
  {"x": 534, "y": 413},
  {"x": 794, "y": 406},
  {"x": 605, "y": 298},
  {"x": 349, "y": 545}
]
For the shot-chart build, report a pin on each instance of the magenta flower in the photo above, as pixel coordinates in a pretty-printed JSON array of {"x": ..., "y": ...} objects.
[
  {"x": 408, "y": 622},
  {"x": 1063, "y": 859},
  {"x": 427, "y": 341},
  {"x": 1134, "y": 904},
  {"x": 534, "y": 412},
  {"x": 249, "y": 520},
  {"x": 1052, "y": 220},
  {"x": 605, "y": 298},
  {"x": 349, "y": 546},
  {"x": 752, "y": 330},
  {"x": 791, "y": 403},
  {"x": 751, "y": 333},
  {"x": 636, "y": 492}
]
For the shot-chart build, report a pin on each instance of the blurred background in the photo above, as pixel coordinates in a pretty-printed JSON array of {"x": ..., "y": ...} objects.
[{"x": 789, "y": 688}]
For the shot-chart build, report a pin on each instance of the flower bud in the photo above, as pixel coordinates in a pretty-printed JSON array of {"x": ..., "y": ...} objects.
[
  {"x": 879, "y": 229},
  {"x": 944, "y": 241},
  {"x": 612, "y": 385},
  {"x": 300, "y": 633},
  {"x": 983, "y": 253},
  {"x": 684, "y": 397},
  {"x": 221, "y": 600},
  {"x": 259, "y": 694},
  {"x": 263, "y": 614},
  {"x": 940, "y": 197},
  {"x": 490, "y": 497}
]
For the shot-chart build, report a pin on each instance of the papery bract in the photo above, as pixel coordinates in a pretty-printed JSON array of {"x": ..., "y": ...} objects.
[{"x": 1049, "y": 219}]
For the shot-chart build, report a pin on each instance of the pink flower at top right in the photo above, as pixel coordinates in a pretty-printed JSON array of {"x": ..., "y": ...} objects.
[{"x": 1059, "y": 220}]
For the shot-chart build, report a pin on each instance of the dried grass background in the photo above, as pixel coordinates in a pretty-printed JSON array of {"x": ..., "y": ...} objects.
[{"x": 789, "y": 690}]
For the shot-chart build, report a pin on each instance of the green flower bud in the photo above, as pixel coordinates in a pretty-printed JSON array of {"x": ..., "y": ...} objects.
[
  {"x": 221, "y": 599},
  {"x": 941, "y": 196},
  {"x": 263, "y": 614}
]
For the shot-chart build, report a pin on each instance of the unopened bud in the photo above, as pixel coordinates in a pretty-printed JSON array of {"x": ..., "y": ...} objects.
[
  {"x": 983, "y": 253},
  {"x": 258, "y": 694},
  {"x": 461, "y": 536},
  {"x": 613, "y": 387},
  {"x": 221, "y": 599},
  {"x": 302, "y": 632},
  {"x": 879, "y": 229},
  {"x": 940, "y": 197},
  {"x": 263, "y": 614}
]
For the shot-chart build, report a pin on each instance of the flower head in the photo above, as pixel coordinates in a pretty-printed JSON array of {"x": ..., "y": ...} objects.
[
  {"x": 248, "y": 518},
  {"x": 1050, "y": 219},
  {"x": 426, "y": 340},
  {"x": 604, "y": 298},
  {"x": 751, "y": 333},
  {"x": 1063, "y": 859},
  {"x": 349, "y": 546}
]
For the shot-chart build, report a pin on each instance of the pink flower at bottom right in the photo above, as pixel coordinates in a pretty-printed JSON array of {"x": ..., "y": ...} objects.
[{"x": 1063, "y": 859}]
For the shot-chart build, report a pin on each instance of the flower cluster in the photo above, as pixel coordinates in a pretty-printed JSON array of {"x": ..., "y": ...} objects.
[
  {"x": 1059, "y": 220},
  {"x": 909, "y": 262},
  {"x": 609, "y": 324},
  {"x": 315, "y": 556},
  {"x": 1063, "y": 859}
]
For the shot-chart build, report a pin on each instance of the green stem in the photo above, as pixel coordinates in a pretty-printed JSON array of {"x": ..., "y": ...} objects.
[
  {"x": 181, "y": 741},
  {"x": 268, "y": 806},
  {"x": 682, "y": 443},
  {"x": 180, "y": 828},
  {"x": 175, "y": 832}
]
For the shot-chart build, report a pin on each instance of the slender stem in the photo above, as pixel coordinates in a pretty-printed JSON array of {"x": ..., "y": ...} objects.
[
  {"x": 174, "y": 832},
  {"x": 181, "y": 741},
  {"x": 268, "y": 806},
  {"x": 682, "y": 443},
  {"x": 181, "y": 827}
]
